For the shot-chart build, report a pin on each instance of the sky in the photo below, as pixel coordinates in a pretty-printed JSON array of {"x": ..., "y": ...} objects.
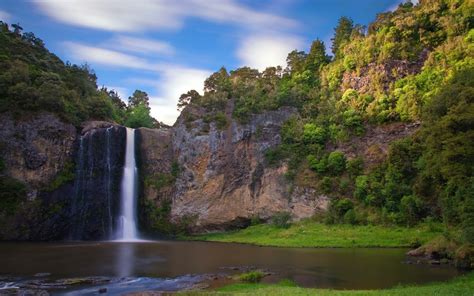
[{"x": 167, "y": 47}]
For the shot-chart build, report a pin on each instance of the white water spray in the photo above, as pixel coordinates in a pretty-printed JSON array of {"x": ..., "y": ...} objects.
[{"x": 127, "y": 226}]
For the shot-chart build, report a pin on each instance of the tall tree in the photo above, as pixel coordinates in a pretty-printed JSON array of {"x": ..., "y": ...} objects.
[
  {"x": 342, "y": 33},
  {"x": 187, "y": 98},
  {"x": 138, "y": 97},
  {"x": 317, "y": 56}
]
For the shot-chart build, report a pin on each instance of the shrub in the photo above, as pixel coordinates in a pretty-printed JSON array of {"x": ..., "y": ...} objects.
[
  {"x": 355, "y": 166},
  {"x": 326, "y": 185},
  {"x": 281, "y": 220},
  {"x": 342, "y": 206},
  {"x": 410, "y": 209},
  {"x": 361, "y": 187},
  {"x": 350, "y": 217},
  {"x": 336, "y": 162},
  {"x": 313, "y": 134},
  {"x": 318, "y": 165},
  {"x": 251, "y": 277}
]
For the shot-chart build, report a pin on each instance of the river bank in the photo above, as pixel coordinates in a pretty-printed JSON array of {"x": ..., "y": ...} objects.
[{"x": 463, "y": 285}]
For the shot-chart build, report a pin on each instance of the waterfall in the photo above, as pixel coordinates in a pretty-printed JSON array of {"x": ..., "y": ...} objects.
[{"x": 127, "y": 224}]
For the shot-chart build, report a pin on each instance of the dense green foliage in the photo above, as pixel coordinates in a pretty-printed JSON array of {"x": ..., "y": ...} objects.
[
  {"x": 32, "y": 79},
  {"x": 415, "y": 64}
]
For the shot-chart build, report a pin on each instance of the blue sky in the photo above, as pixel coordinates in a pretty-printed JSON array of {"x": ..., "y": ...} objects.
[{"x": 166, "y": 47}]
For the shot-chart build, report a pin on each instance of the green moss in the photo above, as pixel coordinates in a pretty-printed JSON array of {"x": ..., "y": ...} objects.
[
  {"x": 12, "y": 194},
  {"x": 159, "y": 181},
  {"x": 66, "y": 175}
]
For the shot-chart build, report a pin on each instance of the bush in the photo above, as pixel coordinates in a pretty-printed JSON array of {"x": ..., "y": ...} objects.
[
  {"x": 313, "y": 134},
  {"x": 350, "y": 217},
  {"x": 410, "y": 209},
  {"x": 251, "y": 277},
  {"x": 355, "y": 167},
  {"x": 319, "y": 166},
  {"x": 336, "y": 162},
  {"x": 343, "y": 206},
  {"x": 281, "y": 220},
  {"x": 326, "y": 185}
]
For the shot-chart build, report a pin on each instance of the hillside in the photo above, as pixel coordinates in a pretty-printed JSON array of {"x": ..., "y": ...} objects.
[{"x": 379, "y": 133}]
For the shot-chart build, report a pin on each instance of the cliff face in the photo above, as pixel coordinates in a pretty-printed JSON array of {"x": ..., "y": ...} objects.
[
  {"x": 35, "y": 149},
  {"x": 223, "y": 179},
  {"x": 63, "y": 179}
]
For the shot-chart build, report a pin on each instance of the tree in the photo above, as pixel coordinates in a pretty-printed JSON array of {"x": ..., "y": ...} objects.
[
  {"x": 138, "y": 97},
  {"x": 188, "y": 98},
  {"x": 17, "y": 29},
  {"x": 317, "y": 56},
  {"x": 295, "y": 61},
  {"x": 342, "y": 34},
  {"x": 218, "y": 82},
  {"x": 139, "y": 116}
]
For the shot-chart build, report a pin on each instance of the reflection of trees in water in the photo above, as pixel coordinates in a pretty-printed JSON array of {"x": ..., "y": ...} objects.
[{"x": 125, "y": 260}]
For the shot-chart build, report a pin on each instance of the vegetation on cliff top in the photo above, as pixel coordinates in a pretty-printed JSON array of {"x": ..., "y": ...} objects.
[
  {"x": 414, "y": 64},
  {"x": 33, "y": 79}
]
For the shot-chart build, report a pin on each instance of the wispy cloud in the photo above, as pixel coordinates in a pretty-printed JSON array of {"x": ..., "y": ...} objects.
[
  {"x": 141, "y": 15},
  {"x": 141, "y": 45},
  {"x": 107, "y": 57},
  {"x": 4, "y": 16},
  {"x": 171, "y": 80},
  {"x": 262, "y": 50}
]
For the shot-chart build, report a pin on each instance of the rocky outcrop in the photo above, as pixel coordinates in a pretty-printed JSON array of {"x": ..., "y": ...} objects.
[
  {"x": 374, "y": 144},
  {"x": 384, "y": 73},
  {"x": 223, "y": 178},
  {"x": 35, "y": 149}
]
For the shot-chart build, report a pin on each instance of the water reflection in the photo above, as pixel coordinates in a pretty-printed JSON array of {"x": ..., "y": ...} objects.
[
  {"x": 325, "y": 268},
  {"x": 125, "y": 260}
]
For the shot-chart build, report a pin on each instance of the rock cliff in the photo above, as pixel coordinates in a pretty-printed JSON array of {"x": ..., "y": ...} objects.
[
  {"x": 223, "y": 180},
  {"x": 57, "y": 181}
]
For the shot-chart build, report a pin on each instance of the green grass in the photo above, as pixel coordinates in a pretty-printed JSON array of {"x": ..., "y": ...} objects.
[
  {"x": 251, "y": 277},
  {"x": 460, "y": 286},
  {"x": 312, "y": 234}
]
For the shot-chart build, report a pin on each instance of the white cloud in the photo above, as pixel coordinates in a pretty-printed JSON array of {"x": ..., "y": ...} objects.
[
  {"x": 102, "y": 56},
  {"x": 4, "y": 16},
  {"x": 140, "y": 15},
  {"x": 141, "y": 45},
  {"x": 174, "y": 82},
  {"x": 263, "y": 50}
]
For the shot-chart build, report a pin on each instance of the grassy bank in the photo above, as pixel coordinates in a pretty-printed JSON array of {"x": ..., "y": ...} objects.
[
  {"x": 311, "y": 234},
  {"x": 463, "y": 285}
]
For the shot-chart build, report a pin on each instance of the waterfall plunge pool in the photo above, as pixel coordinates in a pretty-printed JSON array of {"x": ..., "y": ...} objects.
[{"x": 173, "y": 265}]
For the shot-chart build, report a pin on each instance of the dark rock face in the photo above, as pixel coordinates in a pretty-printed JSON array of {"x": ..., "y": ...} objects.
[
  {"x": 96, "y": 196},
  {"x": 85, "y": 169}
]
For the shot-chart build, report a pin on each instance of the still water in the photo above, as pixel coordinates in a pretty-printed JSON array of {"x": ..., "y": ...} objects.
[{"x": 326, "y": 268}]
